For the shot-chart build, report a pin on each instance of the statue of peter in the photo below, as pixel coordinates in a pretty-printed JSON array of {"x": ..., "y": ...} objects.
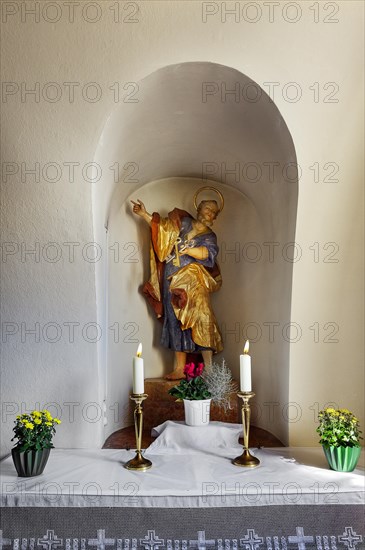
[{"x": 183, "y": 274}]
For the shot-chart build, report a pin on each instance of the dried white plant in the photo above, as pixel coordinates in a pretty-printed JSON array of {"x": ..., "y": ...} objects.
[{"x": 220, "y": 383}]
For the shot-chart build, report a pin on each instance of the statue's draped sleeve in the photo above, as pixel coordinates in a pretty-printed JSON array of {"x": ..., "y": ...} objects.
[{"x": 164, "y": 232}]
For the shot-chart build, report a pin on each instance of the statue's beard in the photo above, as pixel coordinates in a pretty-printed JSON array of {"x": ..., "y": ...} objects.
[{"x": 204, "y": 221}]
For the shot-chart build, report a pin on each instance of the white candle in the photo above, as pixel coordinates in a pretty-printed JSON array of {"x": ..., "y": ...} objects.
[
  {"x": 138, "y": 374},
  {"x": 245, "y": 369}
]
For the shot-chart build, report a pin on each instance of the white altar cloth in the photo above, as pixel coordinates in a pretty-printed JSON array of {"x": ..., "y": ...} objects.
[{"x": 97, "y": 478}]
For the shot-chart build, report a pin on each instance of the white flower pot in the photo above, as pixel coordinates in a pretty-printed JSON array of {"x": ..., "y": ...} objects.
[{"x": 197, "y": 412}]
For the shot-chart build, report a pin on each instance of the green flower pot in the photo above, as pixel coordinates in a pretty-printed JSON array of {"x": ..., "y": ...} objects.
[
  {"x": 342, "y": 459},
  {"x": 30, "y": 463}
]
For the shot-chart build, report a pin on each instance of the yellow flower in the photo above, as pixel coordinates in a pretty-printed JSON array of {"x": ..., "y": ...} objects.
[
  {"x": 330, "y": 410},
  {"x": 57, "y": 420},
  {"x": 37, "y": 421},
  {"x": 48, "y": 423},
  {"x": 36, "y": 413},
  {"x": 29, "y": 425},
  {"x": 346, "y": 411}
]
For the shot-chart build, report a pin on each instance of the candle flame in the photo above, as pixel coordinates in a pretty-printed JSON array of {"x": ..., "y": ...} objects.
[
  {"x": 139, "y": 350},
  {"x": 247, "y": 347}
]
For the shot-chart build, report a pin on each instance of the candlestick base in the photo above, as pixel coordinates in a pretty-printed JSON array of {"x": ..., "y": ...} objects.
[
  {"x": 139, "y": 462},
  {"x": 246, "y": 460}
]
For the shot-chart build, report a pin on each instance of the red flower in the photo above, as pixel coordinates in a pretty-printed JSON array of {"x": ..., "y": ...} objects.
[
  {"x": 199, "y": 369},
  {"x": 189, "y": 371},
  {"x": 193, "y": 371}
]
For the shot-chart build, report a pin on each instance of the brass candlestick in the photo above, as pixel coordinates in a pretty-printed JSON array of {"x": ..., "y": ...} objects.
[
  {"x": 246, "y": 459},
  {"x": 138, "y": 462}
]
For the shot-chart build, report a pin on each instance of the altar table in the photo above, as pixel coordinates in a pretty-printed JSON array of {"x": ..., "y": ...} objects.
[{"x": 86, "y": 499}]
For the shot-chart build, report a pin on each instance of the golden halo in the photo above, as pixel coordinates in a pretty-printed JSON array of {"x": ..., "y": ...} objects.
[{"x": 208, "y": 188}]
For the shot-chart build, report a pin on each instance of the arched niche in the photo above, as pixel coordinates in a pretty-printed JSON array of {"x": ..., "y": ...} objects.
[{"x": 173, "y": 139}]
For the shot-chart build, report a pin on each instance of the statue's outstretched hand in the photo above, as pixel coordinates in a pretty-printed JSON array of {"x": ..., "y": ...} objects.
[{"x": 139, "y": 208}]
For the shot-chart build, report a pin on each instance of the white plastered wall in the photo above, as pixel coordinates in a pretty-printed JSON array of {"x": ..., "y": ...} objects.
[{"x": 305, "y": 52}]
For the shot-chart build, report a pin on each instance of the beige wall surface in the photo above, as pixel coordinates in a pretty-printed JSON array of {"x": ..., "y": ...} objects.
[{"x": 82, "y": 61}]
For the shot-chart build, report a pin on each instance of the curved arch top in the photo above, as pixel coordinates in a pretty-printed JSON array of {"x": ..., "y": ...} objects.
[{"x": 194, "y": 119}]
